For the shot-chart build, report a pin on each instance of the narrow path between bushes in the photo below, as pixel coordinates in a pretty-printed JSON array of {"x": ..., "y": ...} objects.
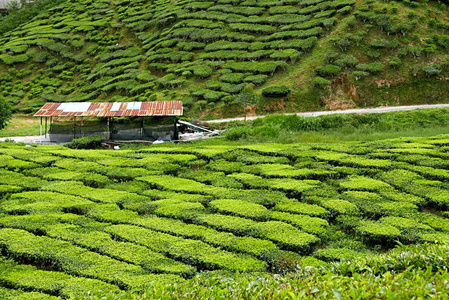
[{"x": 381, "y": 109}]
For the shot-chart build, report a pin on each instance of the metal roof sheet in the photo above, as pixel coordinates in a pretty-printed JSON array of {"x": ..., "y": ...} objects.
[{"x": 111, "y": 109}]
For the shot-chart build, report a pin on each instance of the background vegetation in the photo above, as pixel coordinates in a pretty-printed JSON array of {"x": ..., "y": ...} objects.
[
  {"x": 5, "y": 113},
  {"x": 297, "y": 54},
  {"x": 338, "y": 127}
]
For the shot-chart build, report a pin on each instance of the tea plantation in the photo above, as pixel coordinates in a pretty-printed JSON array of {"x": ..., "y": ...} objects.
[
  {"x": 74, "y": 221},
  {"x": 292, "y": 54}
]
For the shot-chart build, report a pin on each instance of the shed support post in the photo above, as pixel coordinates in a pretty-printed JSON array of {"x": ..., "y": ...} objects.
[
  {"x": 46, "y": 119},
  {"x": 82, "y": 126},
  {"x": 41, "y": 131},
  {"x": 110, "y": 128},
  {"x": 176, "y": 133},
  {"x": 108, "y": 132},
  {"x": 141, "y": 128},
  {"x": 74, "y": 127}
]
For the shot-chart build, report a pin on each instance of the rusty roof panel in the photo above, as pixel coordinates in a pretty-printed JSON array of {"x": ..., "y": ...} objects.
[
  {"x": 110, "y": 109},
  {"x": 54, "y": 106},
  {"x": 47, "y": 105},
  {"x": 145, "y": 106}
]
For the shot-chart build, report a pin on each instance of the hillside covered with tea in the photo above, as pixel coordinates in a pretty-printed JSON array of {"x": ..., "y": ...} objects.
[{"x": 285, "y": 55}]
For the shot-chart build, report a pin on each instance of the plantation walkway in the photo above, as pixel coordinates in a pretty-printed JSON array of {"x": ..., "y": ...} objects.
[
  {"x": 33, "y": 139},
  {"x": 381, "y": 109}
]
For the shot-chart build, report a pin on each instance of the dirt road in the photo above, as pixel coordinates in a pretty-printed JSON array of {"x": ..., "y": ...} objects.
[{"x": 348, "y": 111}]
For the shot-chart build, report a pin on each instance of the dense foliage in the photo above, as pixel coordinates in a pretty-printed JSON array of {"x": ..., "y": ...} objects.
[
  {"x": 5, "y": 112},
  {"x": 406, "y": 273},
  {"x": 73, "y": 221},
  {"x": 88, "y": 142}
]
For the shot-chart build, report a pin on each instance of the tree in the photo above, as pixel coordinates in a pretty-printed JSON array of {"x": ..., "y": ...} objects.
[
  {"x": 5, "y": 112},
  {"x": 247, "y": 97}
]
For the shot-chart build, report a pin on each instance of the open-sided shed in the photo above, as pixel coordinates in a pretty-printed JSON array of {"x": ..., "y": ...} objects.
[{"x": 115, "y": 120}]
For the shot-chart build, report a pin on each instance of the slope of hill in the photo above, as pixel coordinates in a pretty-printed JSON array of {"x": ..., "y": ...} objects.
[{"x": 294, "y": 54}]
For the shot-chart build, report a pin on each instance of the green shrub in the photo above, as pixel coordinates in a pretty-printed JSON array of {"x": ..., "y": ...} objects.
[
  {"x": 377, "y": 232},
  {"x": 232, "y": 77},
  {"x": 89, "y": 142},
  {"x": 308, "y": 224},
  {"x": 185, "y": 211},
  {"x": 225, "y": 166},
  {"x": 373, "y": 54},
  {"x": 256, "y": 79},
  {"x": 276, "y": 91},
  {"x": 378, "y": 43},
  {"x": 281, "y": 261},
  {"x": 287, "y": 236},
  {"x": 375, "y": 67},
  {"x": 12, "y": 60},
  {"x": 41, "y": 57},
  {"x": 320, "y": 82},
  {"x": 364, "y": 183},
  {"x": 231, "y": 88},
  {"x": 327, "y": 70},
  {"x": 202, "y": 71},
  {"x": 301, "y": 208},
  {"x": 346, "y": 61},
  {"x": 240, "y": 208},
  {"x": 336, "y": 254},
  {"x": 432, "y": 70},
  {"x": 338, "y": 206},
  {"x": 359, "y": 74}
]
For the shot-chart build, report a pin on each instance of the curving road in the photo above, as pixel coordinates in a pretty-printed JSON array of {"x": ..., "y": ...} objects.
[{"x": 381, "y": 109}]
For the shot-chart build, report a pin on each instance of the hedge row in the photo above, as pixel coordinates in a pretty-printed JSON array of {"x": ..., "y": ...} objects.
[
  {"x": 38, "y": 202},
  {"x": 285, "y": 235},
  {"x": 415, "y": 184},
  {"x": 45, "y": 283},
  {"x": 77, "y": 261},
  {"x": 288, "y": 171},
  {"x": 292, "y": 187},
  {"x": 18, "y": 179},
  {"x": 224, "y": 240},
  {"x": 195, "y": 252},
  {"x": 103, "y": 243},
  {"x": 100, "y": 195}
]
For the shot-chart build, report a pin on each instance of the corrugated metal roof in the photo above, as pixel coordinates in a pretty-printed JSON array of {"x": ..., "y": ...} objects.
[{"x": 111, "y": 109}]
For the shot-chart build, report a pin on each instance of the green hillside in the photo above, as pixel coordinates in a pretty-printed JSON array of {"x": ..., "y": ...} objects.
[
  {"x": 73, "y": 221},
  {"x": 294, "y": 54}
]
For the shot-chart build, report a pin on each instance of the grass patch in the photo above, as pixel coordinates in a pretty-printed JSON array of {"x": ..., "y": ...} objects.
[
  {"x": 21, "y": 125},
  {"x": 341, "y": 127}
]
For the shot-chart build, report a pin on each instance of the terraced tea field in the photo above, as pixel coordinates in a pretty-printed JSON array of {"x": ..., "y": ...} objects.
[
  {"x": 72, "y": 221},
  {"x": 130, "y": 49}
]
